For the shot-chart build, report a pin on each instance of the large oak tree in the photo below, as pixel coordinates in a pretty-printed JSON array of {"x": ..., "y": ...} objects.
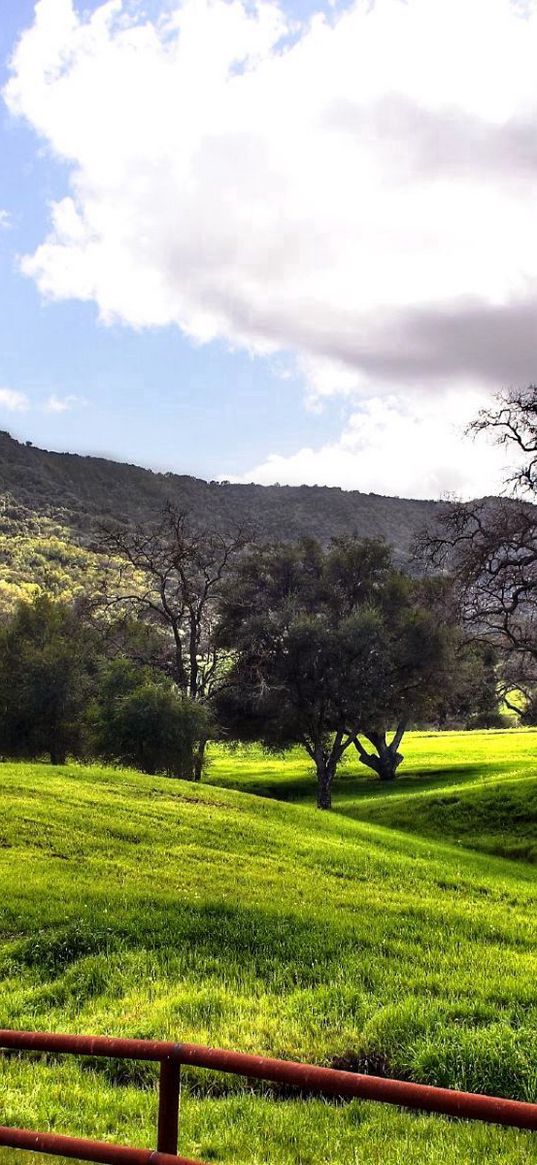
[{"x": 331, "y": 648}]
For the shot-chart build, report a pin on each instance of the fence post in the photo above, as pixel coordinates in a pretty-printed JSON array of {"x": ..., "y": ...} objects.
[{"x": 168, "y": 1106}]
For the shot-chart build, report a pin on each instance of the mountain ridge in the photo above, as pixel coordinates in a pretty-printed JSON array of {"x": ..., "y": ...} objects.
[{"x": 79, "y": 491}]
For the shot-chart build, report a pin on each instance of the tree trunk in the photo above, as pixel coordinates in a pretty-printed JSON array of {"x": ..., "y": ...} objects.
[
  {"x": 325, "y": 775},
  {"x": 326, "y": 757},
  {"x": 198, "y": 760},
  {"x": 387, "y": 764},
  {"x": 186, "y": 770},
  {"x": 193, "y": 659},
  {"x": 324, "y": 792},
  {"x": 387, "y": 758},
  {"x": 57, "y": 755}
]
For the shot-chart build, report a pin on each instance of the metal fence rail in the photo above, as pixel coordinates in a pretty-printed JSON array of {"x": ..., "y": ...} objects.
[
  {"x": 322, "y": 1081},
  {"x": 84, "y": 1150}
]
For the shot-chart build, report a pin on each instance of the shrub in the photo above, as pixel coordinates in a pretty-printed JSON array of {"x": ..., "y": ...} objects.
[{"x": 145, "y": 722}]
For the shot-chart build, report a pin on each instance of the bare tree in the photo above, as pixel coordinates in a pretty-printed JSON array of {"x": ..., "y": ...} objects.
[
  {"x": 512, "y": 421},
  {"x": 490, "y": 546},
  {"x": 490, "y": 549},
  {"x": 171, "y": 574}
]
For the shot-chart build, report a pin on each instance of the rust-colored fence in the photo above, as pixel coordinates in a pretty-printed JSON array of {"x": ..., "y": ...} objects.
[{"x": 171, "y": 1056}]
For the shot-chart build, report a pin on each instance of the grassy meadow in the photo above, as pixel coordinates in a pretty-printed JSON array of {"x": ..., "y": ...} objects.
[
  {"x": 396, "y": 935},
  {"x": 478, "y": 789}
]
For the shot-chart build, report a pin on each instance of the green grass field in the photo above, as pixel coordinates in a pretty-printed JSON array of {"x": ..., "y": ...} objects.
[
  {"x": 393, "y": 934},
  {"x": 478, "y": 789}
]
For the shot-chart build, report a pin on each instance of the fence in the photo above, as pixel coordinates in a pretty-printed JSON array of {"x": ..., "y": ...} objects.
[{"x": 171, "y": 1056}]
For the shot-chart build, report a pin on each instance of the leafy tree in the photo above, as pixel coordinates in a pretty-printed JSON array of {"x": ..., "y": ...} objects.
[
  {"x": 419, "y": 649},
  {"x": 126, "y": 637},
  {"x": 48, "y": 659},
  {"x": 479, "y": 689},
  {"x": 328, "y": 646},
  {"x": 136, "y": 720},
  {"x": 39, "y": 556},
  {"x": 59, "y": 695}
]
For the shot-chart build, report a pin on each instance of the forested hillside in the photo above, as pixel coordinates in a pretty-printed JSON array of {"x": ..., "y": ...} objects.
[{"x": 75, "y": 492}]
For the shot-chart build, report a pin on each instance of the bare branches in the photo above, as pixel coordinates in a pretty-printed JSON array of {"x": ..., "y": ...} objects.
[
  {"x": 513, "y": 421},
  {"x": 490, "y": 550},
  {"x": 171, "y": 573}
]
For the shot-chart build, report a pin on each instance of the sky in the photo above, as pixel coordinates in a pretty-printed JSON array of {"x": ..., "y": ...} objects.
[{"x": 285, "y": 243}]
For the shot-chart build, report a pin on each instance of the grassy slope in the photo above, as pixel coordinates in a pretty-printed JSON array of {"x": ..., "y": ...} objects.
[
  {"x": 148, "y": 907},
  {"x": 477, "y": 789}
]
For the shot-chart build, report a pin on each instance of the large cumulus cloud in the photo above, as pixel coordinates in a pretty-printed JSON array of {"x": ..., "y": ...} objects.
[{"x": 359, "y": 192}]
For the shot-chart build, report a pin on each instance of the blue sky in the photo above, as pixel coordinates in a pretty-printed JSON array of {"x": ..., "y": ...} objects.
[
  {"x": 266, "y": 243},
  {"x": 151, "y": 396}
]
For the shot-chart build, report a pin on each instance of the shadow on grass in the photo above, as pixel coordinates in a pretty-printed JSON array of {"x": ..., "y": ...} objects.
[
  {"x": 411, "y": 780},
  {"x": 354, "y": 783},
  {"x": 261, "y": 942}
]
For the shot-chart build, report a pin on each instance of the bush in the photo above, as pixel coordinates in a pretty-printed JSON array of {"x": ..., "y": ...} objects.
[
  {"x": 147, "y": 723},
  {"x": 488, "y": 720}
]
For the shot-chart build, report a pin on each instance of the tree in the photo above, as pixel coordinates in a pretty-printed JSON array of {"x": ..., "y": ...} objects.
[
  {"x": 477, "y": 691},
  {"x": 528, "y": 713},
  {"x": 419, "y": 650},
  {"x": 147, "y": 723},
  {"x": 171, "y": 574},
  {"x": 490, "y": 547},
  {"x": 328, "y": 646},
  {"x": 512, "y": 422},
  {"x": 48, "y": 660}
]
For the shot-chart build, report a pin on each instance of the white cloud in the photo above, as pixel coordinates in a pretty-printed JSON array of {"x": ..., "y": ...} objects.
[
  {"x": 13, "y": 401},
  {"x": 5, "y": 220},
  {"x": 61, "y": 404},
  {"x": 358, "y": 193},
  {"x": 388, "y": 447},
  {"x": 19, "y": 402}
]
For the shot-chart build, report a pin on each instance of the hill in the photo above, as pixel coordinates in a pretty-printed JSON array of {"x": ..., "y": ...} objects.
[
  {"x": 475, "y": 789},
  {"x": 75, "y": 492},
  {"x": 149, "y": 907}
]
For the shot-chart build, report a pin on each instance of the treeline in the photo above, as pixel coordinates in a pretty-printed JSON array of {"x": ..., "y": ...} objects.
[{"x": 191, "y": 635}]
